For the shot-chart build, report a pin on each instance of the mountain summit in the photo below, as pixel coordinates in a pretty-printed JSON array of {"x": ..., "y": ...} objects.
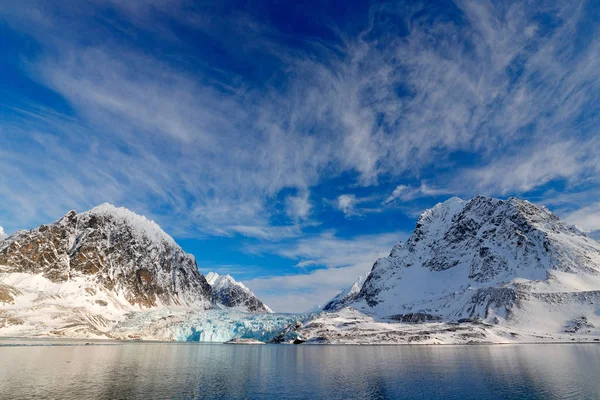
[
  {"x": 85, "y": 273},
  {"x": 508, "y": 263},
  {"x": 115, "y": 249}
]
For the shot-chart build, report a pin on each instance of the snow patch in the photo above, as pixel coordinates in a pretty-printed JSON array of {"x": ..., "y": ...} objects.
[{"x": 141, "y": 226}]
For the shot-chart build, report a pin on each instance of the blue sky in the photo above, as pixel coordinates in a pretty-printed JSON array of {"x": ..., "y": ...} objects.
[{"x": 292, "y": 144}]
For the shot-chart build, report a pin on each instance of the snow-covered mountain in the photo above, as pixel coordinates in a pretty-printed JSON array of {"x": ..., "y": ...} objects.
[
  {"x": 230, "y": 293},
  {"x": 87, "y": 272},
  {"x": 508, "y": 263},
  {"x": 114, "y": 249},
  {"x": 347, "y": 295},
  {"x": 484, "y": 270}
]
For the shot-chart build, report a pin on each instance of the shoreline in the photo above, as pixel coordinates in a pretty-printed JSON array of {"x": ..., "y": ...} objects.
[{"x": 67, "y": 342}]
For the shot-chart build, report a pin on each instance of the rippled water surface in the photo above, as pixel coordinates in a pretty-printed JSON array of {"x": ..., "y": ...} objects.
[{"x": 187, "y": 371}]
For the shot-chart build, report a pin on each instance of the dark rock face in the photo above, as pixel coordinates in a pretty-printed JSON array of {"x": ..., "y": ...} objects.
[
  {"x": 494, "y": 298},
  {"x": 336, "y": 304},
  {"x": 415, "y": 318},
  {"x": 114, "y": 248},
  {"x": 578, "y": 324}
]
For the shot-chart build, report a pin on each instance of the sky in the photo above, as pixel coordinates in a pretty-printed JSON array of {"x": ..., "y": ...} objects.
[{"x": 291, "y": 144}]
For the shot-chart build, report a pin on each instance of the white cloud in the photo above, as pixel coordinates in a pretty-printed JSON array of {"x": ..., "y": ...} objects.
[
  {"x": 268, "y": 232},
  {"x": 344, "y": 260},
  {"x": 587, "y": 218},
  {"x": 532, "y": 167},
  {"x": 298, "y": 207},
  {"x": 346, "y": 203},
  {"x": 212, "y": 151},
  {"x": 2, "y": 234},
  {"x": 406, "y": 193},
  {"x": 352, "y": 206}
]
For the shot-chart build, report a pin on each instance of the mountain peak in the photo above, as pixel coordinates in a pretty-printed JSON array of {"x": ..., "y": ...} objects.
[
  {"x": 231, "y": 293},
  {"x": 463, "y": 249},
  {"x": 436, "y": 219},
  {"x": 112, "y": 248},
  {"x": 140, "y": 225}
]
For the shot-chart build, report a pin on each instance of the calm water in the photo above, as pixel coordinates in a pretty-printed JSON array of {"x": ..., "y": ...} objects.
[{"x": 172, "y": 371}]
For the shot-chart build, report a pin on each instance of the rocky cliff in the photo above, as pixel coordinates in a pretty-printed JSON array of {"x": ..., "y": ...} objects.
[{"x": 112, "y": 248}]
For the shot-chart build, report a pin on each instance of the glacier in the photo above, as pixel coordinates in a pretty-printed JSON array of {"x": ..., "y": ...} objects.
[{"x": 216, "y": 326}]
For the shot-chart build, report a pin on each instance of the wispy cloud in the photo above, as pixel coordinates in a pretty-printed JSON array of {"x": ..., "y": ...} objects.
[
  {"x": 352, "y": 206},
  {"x": 587, "y": 218},
  {"x": 378, "y": 104},
  {"x": 568, "y": 160},
  {"x": 342, "y": 261},
  {"x": 406, "y": 193},
  {"x": 298, "y": 207},
  {"x": 346, "y": 203},
  {"x": 492, "y": 97}
]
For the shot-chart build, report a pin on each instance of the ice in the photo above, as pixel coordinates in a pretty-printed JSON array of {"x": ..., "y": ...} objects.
[{"x": 206, "y": 326}]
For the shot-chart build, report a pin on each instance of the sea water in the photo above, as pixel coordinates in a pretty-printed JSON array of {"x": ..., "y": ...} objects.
[{"x": 138, "y": 370}]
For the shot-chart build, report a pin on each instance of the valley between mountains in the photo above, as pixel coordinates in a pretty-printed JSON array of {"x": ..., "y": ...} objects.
[{"x": 479, "y": 271}]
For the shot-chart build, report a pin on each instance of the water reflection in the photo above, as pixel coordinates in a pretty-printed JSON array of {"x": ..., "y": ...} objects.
[{"x": 138, "y": 370}]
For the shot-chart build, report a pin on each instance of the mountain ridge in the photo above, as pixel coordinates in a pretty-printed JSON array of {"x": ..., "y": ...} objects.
[
  {"x": 487, "y": 259},
  {"x": 85, "y": 273},
  {"x": 117, "y": 249}
]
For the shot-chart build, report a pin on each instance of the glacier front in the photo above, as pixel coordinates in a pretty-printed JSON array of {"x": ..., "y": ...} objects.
[{"x": 216, "y": 326}]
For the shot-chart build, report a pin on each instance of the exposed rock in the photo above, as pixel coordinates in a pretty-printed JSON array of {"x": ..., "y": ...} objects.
[
  {"x": 415, "y": 318},
  {"x": 244, "y": 341},
  {"x": 578, "y": 324},
  {"x": 8, "y": 294},
  {"x": 9, "y": 321},
  {"x": 114, "y": 248},
  {"x": 289, "y": 334}
]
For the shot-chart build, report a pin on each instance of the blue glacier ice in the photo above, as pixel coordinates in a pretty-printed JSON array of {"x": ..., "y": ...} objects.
[
  {"x": 222, "y": 326},
  {"x": 209, "y": 326}
]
